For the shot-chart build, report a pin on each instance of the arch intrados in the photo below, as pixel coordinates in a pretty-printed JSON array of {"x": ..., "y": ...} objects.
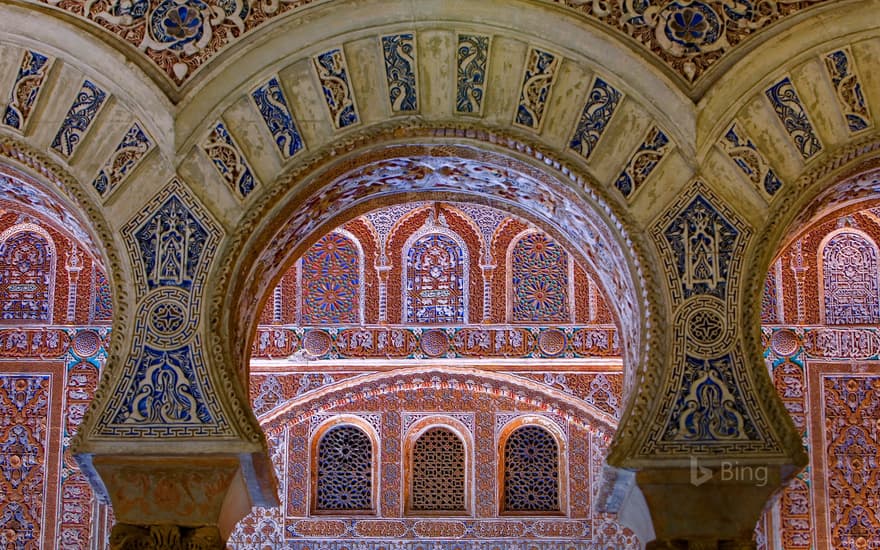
[
  {"x": 37, "y": 200},
  {"x": 66, "y": 197},
  {"x": 312, "y": 208},
  {"x": 837, "y": 188},
  {"x": 281, "y": 41},
  {"x": 844, "y": 183}
]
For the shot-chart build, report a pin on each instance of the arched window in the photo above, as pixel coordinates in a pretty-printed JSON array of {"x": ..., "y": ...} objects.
[
  {"x": 438, "y": 475},
  {"x": 332, "y": 278},
  {"x": 531, "y": 473},
  {"x": 343, "y": 470},
  {"x": 851, "y": 292},
  {"x": 27, "y": 274},
  {"x": 435, "y": 279},
  {"x": 539, "y": 270}
]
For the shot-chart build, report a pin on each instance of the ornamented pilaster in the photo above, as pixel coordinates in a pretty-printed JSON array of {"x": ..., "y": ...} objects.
[
  {"x": 277, "y": 304},
  {"x": 73, "y": 265},
  {"x": 382, "y": 271},
  {"x": 488, "y": 273},
  {"x": 800, "y": 270}
]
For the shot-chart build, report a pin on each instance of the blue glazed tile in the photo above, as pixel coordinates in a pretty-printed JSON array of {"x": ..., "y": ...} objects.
[
  {"x": 229, "y": 161},
  {"x": 333, "y": 76},
  {"x": 649, "y": 154},
  {"x": 170, "y": 244},
  {"x": 602, "y": 101},
  {"x": 26, "y": 89},
  {"x": 743, "y": 152},
  {"x": 79, "y": 118},
  {"x": 270, "y": 100},
  {"x": 788, "y": 107},
  {"x": 721, "y": 417},
  {"x": 135, "y": 144},
  {"x": 848, "y": 89},
  {"x": 538, "y": 78},
  {"x": 472, "y": 57},
  {"x": 703, "y": 242},
  {"x": 400, "y": 71}
]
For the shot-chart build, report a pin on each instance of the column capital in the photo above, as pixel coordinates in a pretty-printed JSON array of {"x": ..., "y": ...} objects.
[
  {"x": 711, "y": 507},
  {"x": 206, "y": 494},
  {"x": 125, "y": 536}
]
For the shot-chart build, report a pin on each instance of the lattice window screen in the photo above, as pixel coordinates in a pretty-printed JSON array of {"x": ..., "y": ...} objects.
[
  {"x": 438, "y": 475},
  {"x": 531, "y": 471},
  {"x": 345, "y": 468}
]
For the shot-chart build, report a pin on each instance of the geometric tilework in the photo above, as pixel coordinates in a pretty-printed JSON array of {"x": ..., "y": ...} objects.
[
  {"x": 85, "y": 107},
  {"x": 269, "y": 99},
  {"x": 400, "y": 71},
  {"x": 537, "y": 82},
  {"x": 848, "y": 89},
  {"x": 602, "y": 101},
  {"x": 333, "y": 77},
  {"x": 132, "y": 148},
  {"x": 472, "y": 56},
  {"x": 539, "y": 280},
  {"x": 331, "y": 289},
  {"x": 649, "y": 154},
  {"x": 23, "y": 96},
  {"x": 788, "y": 107},
  {"x": 742, "y": 151},
  {"x": 229, "y": 161}
]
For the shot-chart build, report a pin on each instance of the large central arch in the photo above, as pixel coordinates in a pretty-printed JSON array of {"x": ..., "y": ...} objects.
[{"x": 436, "y": 164}]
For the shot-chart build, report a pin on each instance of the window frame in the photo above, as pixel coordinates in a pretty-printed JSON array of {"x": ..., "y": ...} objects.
[
  {"x": 412, "y": 435},
  {"x": 315, "y": 441},
  {"x": 562, "y": 457}
]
